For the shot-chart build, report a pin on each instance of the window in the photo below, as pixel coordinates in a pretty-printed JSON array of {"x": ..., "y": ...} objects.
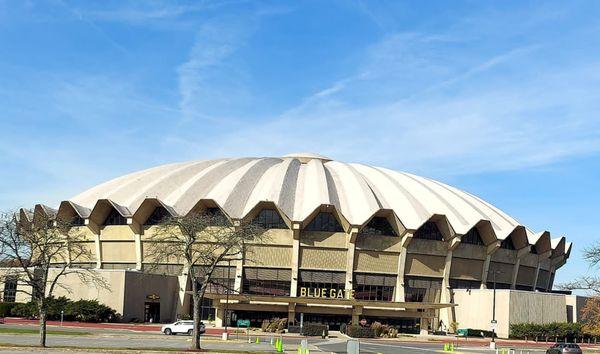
[
  {"x": 269, "y": 219},
  {"x": 77, "y": 221},
  {"x": 534, "y": 249},
  {"x": 267, "y": 281},
  {"x": 123, "y": 266},
  {"x": 378, "y": 226},
  {"x": 324, "y": 222},
  {"x": 222, "y": 280},
  {"x": 158, "y": 215},
  {"x": 217, "y": 216},
  {"x": 490, "y": 285},
  {"x": 317, "y": 279},
  {"x": 114, "y": 218},
  {"x": 10, "y": 290},
  {"x": 422, "y": 289},
  {"x": 507, "y": 244},
  {"x": 472, "y": 237},
  {"x": 374, "y": 287},
  {"x": 464, "y": 284},
  {"x": 429, "y": 231}
]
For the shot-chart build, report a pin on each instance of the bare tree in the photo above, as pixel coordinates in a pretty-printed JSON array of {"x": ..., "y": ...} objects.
[
  {"x": 591, "y": 309},
  {"x": 588, "y": 283},
  {"x": 201, "y": 242},
  {"x": 38, "y": 254}
]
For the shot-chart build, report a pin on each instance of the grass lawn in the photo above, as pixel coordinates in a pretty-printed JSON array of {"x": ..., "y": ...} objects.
[{"x": 35, "y": 331}]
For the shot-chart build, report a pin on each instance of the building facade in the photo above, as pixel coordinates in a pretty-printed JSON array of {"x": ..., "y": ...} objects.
[{"x": 346, "y": 242}]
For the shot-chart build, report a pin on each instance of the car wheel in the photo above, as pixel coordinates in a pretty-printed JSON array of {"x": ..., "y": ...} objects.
[
  {"x": 168, "y": 331},
  {"x": 190, "y": 331}
]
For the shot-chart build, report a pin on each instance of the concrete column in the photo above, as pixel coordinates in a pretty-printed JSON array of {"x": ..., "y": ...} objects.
[
  {"x": 485, "y": 271},
  {"x": 515, "y": 273},
  {"x": 219, "y": 315},
  {"x": 351, "y": 244},
  {"x": 138, "y": 251},
  {"x": 445, "y": 314},
  {"x": 548, "y": 283},
  {"x": 537, "y": 275},
  {"x": 291, "y": 313},
  {"x": 520, "y": 254},
  {"x": 295, "y": 259},
  {"x": 424, "y": 326},
  {"x": 239, "y": 272},
  {"x": 239, "y": 265},
  {"x": 357, "y": 311},
  {"x": 183, "y": 283},
  {"x": 98, "y": 251},
  {"x": 399, "y": 293},
  {"x": 486, "y": 264}
]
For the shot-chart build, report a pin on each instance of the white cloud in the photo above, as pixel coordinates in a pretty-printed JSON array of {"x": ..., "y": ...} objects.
[{"x": 406, "y": 109}]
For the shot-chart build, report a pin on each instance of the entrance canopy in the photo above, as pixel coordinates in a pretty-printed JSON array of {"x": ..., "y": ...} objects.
[{"x": 329, "y": 301}]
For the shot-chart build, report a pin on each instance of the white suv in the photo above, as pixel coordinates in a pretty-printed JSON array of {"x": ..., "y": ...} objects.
[{"x": 181, "y": 327}]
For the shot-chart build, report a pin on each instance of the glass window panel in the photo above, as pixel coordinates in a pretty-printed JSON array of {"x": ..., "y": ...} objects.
[
  {"x": 378, "y": 226},
  {"x": 429, "y": 231},
  {"x": 326, "y": 222}
]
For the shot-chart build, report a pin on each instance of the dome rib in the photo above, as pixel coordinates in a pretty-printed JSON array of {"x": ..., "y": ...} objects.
[
  {"x": 454, "y": 212},
  {"x": 240, "y": 194}
]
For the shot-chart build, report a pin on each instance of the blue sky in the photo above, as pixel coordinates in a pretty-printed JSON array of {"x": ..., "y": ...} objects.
[{"x": 500, "y": 99}]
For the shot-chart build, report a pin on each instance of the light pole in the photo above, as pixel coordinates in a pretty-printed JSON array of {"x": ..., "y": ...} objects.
[
  {"x": 226, "y": 334},
  {"x": 494, "y": 322}
]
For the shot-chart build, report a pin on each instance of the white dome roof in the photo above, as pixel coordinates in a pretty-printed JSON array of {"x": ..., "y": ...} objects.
[{"x": 298, "y": 184}]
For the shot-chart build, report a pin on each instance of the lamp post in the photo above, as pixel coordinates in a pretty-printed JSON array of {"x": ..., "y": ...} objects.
[
  {"x": 494, "y": 322},
  {"x": 226, "y": 334}
]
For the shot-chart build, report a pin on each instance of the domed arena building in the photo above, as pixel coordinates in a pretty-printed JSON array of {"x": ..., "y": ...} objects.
[{"x": 347, "y": 242}]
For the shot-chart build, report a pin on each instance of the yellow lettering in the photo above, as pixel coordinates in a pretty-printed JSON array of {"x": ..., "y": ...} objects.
[
  {"x": 332, "y": 293},
  {"x": 303, "y": 292},
  {"x": 340, "y": 294},
  {"x": 323, "y": 292}
]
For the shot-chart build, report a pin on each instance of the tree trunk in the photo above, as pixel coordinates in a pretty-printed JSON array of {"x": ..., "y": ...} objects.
[
  {"x": 42, "y": 315},
  {"x": 196, "y": 309}
]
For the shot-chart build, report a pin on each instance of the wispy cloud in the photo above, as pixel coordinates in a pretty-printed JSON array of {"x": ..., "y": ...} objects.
[{"x": 408, "y": 108}]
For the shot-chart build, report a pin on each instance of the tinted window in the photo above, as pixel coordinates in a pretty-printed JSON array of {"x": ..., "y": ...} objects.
[
  {"x": 324, "y": 222},
  {"x": 378, "y": 226},
  {"x": 114, "y": 218},
  {"x": 429, "y": 231},
  {"x": 158, "y": 215},
  {"x": 472, "y": 237},
  {"x": 269, "y": 219}
]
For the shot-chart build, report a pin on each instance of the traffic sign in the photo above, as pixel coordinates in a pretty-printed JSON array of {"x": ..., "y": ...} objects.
[{"x": 243, "y": 323}]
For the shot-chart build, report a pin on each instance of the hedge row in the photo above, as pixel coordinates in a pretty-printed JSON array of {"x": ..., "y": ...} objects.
[
  {"x": 315, "y": 329},
  {"x": 549, "y": 330},
  {"x": 80, "y": 310},
  {"x": 6, "y": 308},
  {"x": 356, "y": 331}
]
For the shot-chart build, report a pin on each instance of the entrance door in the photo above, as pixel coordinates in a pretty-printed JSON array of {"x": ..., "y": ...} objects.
[{"x": 152, "y": 312}]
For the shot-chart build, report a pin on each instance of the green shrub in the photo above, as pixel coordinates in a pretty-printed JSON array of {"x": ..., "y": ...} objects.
[
  {"x": 314, "y": 329},
  {"x": 557, "y": 330},
  {"x": 356, "y": 331},
  {"x": 6, "y": 308},
  {"x": 81, "y": 310},
  {"x": 89, "y": 311},
  {"x": 25, "y": 309}
]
